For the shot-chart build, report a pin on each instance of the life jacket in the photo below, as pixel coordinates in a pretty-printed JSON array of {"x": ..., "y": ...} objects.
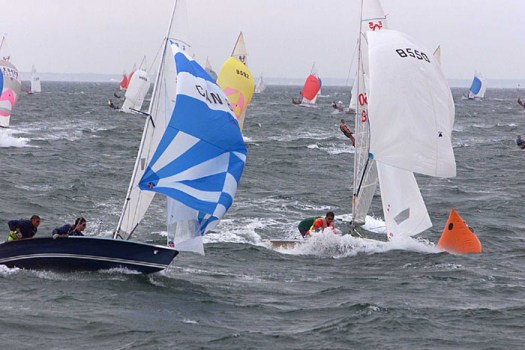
[{"x": 321, "y": 224}]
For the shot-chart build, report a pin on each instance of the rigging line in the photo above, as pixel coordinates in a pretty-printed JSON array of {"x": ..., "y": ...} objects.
[
  {"x": 352, "y": 63},
  {"x": 156, "y": 55}
]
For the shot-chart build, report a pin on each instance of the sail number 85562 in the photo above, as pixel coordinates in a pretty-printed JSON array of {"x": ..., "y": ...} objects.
[{"x": 412, "y": 53}]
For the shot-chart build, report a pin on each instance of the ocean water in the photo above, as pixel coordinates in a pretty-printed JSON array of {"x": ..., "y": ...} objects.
[{"x": 68, "y": 154}]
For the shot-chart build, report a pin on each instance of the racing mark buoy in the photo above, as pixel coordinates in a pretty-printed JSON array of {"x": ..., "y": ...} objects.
[{"x": 457, "y": 237}]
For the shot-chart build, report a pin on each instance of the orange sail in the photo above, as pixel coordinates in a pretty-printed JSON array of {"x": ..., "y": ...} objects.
[
  {"x": 311, "y": 87},
  {"x": 457, "y": 237}
]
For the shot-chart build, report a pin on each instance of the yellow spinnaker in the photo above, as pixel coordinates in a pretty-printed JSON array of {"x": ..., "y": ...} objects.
[{"x": 236, "y": 80}]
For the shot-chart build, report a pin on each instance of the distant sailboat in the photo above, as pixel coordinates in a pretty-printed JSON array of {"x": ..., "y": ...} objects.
[
  {"x": 239, "y": 50},
  {"x": 11, "y": 84},
  {"x": 236, "y": 80},
  {"x": 310, "y": 90},
  {"x": 478, "y": 87},
  {"x": 137, "y": 89},
  {"x": 35, "y": 81},
  {"x": 261, "y": 86}
]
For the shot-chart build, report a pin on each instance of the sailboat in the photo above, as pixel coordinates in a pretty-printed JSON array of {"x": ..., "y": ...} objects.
[
  {"x": 477, "y": 88},
  {"x": 35, "y": 81},
  {"x": 403, "y": 125},
  {"x": 10, "y": 85},
  {"x": 310, "y": 90},
  {"x": 197, "y": 168},
  {"x": 236, "y": 80},
  {"x": 137, "y": 89},
  {"x": 261, "y": 85}
]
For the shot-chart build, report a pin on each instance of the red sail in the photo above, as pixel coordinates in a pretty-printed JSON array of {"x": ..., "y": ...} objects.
[
  {"x": 124, "y": 82},
  {"x": 311, "y": 87}
]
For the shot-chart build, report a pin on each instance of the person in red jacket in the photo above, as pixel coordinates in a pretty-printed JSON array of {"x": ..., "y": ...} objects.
[{"x": 321, "y": 223}]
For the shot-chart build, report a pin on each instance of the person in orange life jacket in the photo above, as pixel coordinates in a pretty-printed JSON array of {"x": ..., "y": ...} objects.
[
  {"x": 321, "y": 223},
  {"x": 346, "y": 130},
  {"x": 22, "y": 228},
  {"x": 71, "y": 230}
]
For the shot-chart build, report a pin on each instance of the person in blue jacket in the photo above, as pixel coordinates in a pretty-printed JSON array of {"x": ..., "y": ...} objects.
[
  {"x": 71, "y": 230},
  {"x": 23, "y": 228}
]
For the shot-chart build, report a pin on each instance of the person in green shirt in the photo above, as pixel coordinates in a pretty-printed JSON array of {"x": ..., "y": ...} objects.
[{"x": 321, "y": 223}]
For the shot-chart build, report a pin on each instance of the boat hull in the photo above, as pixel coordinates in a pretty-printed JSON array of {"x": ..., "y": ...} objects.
[
  {"x": 285, "y": 243},
  {"x": 82, "y": 253}
]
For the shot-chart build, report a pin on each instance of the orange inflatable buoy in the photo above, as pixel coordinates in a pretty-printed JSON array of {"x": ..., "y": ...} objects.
[{"x": 457, "y": 237}]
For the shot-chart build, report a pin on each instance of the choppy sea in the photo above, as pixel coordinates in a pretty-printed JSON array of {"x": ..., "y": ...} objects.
[{"x": 67, "y": 154}]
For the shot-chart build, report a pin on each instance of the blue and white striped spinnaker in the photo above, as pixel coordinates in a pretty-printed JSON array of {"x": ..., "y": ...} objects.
[{"x": 198, "y": 159}]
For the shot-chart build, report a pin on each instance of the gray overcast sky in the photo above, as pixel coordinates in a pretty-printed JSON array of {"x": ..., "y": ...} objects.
[{"x": 283, "y": 37}]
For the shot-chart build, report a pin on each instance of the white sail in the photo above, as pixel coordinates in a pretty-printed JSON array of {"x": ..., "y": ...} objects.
[
  {"x": 411, "y": 119},
  {"x": 365, "y": 171},
  {"x": 411, "y": 115},
  {"x": 239, "y": 50},
  {"x": 261, "y": 86},
  {"x": 137, "y": 89},
  {"x": 403, "y": 206},
  {"x": 353, "y": 96},
  {"x": 35, "y": 81}
]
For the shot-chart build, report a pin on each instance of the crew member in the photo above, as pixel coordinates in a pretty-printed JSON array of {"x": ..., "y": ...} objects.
[{"x": 23, "y": 228}]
